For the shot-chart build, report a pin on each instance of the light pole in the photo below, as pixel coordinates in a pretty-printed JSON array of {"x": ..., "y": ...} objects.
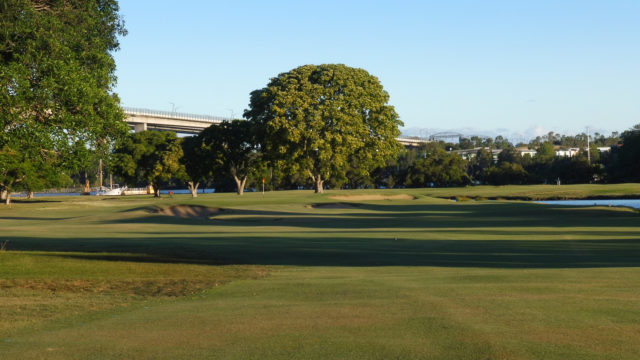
[{"x": 588, "y": 150}]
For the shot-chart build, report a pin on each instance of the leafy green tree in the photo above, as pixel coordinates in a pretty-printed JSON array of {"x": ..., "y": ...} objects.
[
  {"x": 546, "y": 152},
  {"x": 438, "y": 168},
  {"x": 507, "y": 173},
  {"x": 573, "y": 170},
  {"x": 56, "y": 81},
  {"x": 480, "y": 164},
  {"x": 199, "y": 163},
  {"x": 319, "y": 119},
  {"x": 501, "y": 143},
  {"x": 149, "y": 157},
  {"x": 465, "y": 143},
  {"x": 234, "y": 144},
  {"x": 627, "y": 164},
  {"x": 509, "y": 154}
]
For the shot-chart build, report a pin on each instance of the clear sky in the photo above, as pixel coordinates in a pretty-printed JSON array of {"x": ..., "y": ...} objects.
[{"x": 516, "y": 68}]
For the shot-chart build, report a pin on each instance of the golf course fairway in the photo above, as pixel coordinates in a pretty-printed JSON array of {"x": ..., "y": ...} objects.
[{"x": 368, "y": 274}]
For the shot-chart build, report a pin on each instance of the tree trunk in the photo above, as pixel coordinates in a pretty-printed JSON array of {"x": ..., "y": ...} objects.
[
  {"x": 319, "y": 184},
  {"x": 193, "y": 188},
  {"x": 240, "y": 184},
  {"x": 8, "y": 199},
  {"x": 29, "y": 194},
  {"x": 156, "y": 190}
]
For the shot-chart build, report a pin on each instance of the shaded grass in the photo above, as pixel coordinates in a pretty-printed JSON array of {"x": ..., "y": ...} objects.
[
  {"x": 540, "y": 192},
  {"x": 423, "y": 278}
]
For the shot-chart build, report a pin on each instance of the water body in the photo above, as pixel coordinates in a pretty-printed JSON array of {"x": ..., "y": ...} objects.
[
  {"x": 175, "y": 191},
  {"x": 634, "y": 203}
]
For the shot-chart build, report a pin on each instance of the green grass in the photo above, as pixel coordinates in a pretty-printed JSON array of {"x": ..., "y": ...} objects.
[
  {"x": 272, "y": 277},
  {"x": 541, "y": 192}
]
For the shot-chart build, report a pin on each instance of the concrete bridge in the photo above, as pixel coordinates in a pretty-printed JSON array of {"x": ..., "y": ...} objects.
[{"x": 145, "y": 119}]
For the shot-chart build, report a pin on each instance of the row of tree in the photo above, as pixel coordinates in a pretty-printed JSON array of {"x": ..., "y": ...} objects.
[
  {"x": 435, "y": 165},
  {"x": 322, "y": 122},
  {"x": 314, "y": 126},
  {"x": 233, "y": 151},
  {"x": 59, "y": 113}
]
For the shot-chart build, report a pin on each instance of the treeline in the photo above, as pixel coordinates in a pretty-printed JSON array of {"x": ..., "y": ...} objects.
[
  {"x": 499, "y": 162},
  {"x": 315, "y": 126},
  {"x": 228, "y": 156}
]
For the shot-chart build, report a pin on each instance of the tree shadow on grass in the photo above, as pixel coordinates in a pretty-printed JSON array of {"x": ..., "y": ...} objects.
[
  {"x": 475, "y": 235},
  {"x": 32, "y": 201},
  {"x": 419, "y": 216},
  {"x": 347, "y": 251},
  {"x": 32, "y": 218}
]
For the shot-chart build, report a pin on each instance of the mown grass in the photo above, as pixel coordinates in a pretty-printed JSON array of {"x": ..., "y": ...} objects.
[
  {"x": 541, "y": 192},
  {"x": 271, "y": 277}
]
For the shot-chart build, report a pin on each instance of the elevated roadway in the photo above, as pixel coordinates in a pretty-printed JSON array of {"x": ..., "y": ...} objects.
[{"x": 146, "y": 119}]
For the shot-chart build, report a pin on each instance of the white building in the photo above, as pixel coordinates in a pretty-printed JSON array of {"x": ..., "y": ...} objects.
[{"x": 568, "y": 153}]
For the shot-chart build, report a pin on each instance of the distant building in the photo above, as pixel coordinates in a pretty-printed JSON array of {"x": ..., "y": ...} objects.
[
  {"x": 568, "y": 153},
  {"x": 469, "y": 154},
  {"x": 526, "y": 151}
]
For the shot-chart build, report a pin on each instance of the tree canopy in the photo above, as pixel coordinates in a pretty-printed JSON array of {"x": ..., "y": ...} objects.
[
  {"x": 232, "y": 146},
  {"x": 438, "y": 168},
  {"x": 56, "y": 80},
  {"x": 319, "y": 119},
  {"x": 149, "y": 157},
  {"x": 198, "y": 164}
]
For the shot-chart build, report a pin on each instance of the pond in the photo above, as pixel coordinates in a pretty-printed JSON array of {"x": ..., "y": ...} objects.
[
  {"x": 175, "y": 191},
  {"x": 634, "y": 203}
]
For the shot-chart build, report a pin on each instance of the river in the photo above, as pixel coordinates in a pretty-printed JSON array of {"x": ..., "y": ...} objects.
[{"x": 634, "y": 203}]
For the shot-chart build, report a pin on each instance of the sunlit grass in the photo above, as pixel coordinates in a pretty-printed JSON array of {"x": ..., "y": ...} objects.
[{"x": 275, "y": 277}]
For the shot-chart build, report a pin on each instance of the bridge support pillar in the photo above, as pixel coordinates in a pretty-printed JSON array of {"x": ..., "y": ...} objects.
[{"x": 140, "y": 127}]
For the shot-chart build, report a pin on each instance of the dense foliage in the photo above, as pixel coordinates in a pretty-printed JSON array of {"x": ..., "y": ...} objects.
[
  {"x": 320, "y": 119},
  {"x": 56, "y": 81},
  {"x": 149, "y": 157},
  {"x": 232, "y": 147}
]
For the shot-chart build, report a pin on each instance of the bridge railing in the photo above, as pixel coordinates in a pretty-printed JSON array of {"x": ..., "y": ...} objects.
[
  {"x": 174, "y": 115},
  {"x": 412, "y": 139}
]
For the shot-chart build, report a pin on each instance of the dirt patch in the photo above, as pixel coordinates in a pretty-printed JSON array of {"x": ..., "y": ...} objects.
[
  {"x": 189, "y": 211},
  {"x": 374, "y": 197},
  {"x": 331, "y": 206}
]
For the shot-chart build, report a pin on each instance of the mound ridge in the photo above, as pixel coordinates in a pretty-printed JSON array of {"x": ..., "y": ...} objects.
[
  {"x": 188, "y": 211},
  {"x": 371, "y": 197},
  {"x": 331, "y": 206}
]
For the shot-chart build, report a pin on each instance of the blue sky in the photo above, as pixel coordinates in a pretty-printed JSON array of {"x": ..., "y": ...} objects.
[{"x": 516, "y": 68}]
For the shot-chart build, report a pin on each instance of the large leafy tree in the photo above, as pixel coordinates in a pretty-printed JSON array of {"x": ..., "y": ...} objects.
[
  {"x": 56, "y": 81},
  {"x": 149, "y": 157},
  {"x": 628, "y": 164},
  {"x": 438, "y": 168},
  {"x": 319, "y": 119},
  {"x": 198, "y": 162},
  {"x": 232, "y": 147}
]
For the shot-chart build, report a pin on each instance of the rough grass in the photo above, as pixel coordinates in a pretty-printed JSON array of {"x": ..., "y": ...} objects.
[
  {"x": 37, "y": 287},
  {"x": 272, "y": 277}
]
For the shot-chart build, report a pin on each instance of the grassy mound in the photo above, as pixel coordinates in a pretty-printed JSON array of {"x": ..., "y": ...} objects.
[
  {"x": 373, "y": 197},
  {"x": 188, "y": 211},
  {"x": 331, "y": 206}
]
